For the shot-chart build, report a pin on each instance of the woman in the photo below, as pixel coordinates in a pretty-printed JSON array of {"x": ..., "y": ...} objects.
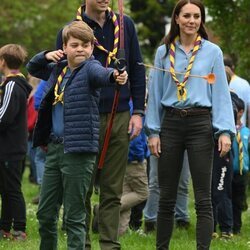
[{"x": 183, "y": 112}]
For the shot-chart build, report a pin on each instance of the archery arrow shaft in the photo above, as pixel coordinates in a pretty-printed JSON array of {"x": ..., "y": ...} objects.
[
  {"x": 167, "y": 70},
  {"x": 207, "y": 77}
]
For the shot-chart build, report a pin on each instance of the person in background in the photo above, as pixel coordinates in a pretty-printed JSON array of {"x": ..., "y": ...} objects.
[
  {"x": 222, "y": 195},
  {"x": 240, "y": 86},
  {"x": 14, "y": 93},
  {"x": 222, "y": 176},
  {"x": 40, "y": 155},
  {"x": 32, "y": 116},
  {"x": 135, "y": 185},
  {"x": 241, "y": 148},
  {"x": 182, "y": 114}
]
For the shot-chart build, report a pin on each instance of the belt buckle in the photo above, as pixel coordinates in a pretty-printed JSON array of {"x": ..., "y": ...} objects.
[
  {"x": 60, "y": 140},
  {"x": 57, "y": 140},
  {"x": 183, "y": 112}
]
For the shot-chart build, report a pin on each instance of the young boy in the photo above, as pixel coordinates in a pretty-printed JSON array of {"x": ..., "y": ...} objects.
[
  {"x": 14, "y": 92},
  {"x": 240, "y": 167},
  {"x": 68, "y": 125}
]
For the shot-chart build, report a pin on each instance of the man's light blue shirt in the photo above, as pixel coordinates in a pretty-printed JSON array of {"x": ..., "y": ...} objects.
[
  {"x": 241, "y": 87},
  {"x": 162, "y": 88}
]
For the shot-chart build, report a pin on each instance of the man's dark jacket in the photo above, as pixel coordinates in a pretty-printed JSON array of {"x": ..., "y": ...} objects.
[
  {"x": 13, "y": 119},
  {"x": 135, "y": 88}
]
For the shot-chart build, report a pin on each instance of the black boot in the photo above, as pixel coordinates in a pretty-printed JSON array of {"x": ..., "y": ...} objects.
[{"x": 149, "y": 226}]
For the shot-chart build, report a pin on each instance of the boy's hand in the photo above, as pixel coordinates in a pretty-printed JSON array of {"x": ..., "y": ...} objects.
[
  {"x": 55, "y": 56},
  {"x": 120, "y": 78}
]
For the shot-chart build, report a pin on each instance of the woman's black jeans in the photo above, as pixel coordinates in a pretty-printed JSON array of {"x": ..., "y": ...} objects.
[{"x": 194, "y": 133}]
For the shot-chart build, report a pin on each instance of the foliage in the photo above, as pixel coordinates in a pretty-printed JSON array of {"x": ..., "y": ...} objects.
[
  {"x": 34, "y": 24},
  {"x": 150, "y": 17},
  {"x": 230, "y": 22}
]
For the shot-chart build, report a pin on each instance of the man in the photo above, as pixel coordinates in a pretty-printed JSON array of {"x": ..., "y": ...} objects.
[
  {"x": 101, "y": 19},
  {"x": 240, "y": 86}
]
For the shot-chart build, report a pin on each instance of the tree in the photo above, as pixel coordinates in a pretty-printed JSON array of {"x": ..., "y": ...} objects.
[
  {"x": 230, "y": 22},
  {"x": 150, "y": 17},
  {"x": 34, "y": 24}
]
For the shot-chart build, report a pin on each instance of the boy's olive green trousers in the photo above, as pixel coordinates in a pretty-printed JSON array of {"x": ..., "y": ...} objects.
[{"x": 66, "y": 181}]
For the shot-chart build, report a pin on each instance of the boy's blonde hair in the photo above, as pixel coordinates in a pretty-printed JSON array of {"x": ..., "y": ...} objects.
[
  {"x": 14, "y": 55},
  {"x": 79, "y": 30}
]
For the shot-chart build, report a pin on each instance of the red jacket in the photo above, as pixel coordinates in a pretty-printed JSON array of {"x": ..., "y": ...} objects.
[{"x": 32, "y": 115}]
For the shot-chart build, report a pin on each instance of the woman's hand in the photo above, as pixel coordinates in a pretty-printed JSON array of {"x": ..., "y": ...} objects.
[
  {"x": 154, "y": 144},
  {"x": 224, "y": 144}
]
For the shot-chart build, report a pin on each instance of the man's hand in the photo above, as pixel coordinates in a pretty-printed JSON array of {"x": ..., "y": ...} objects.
[
  {"x": 135, "y": 126},
  {"x": 224, "y": 144},
  {"x": 154, "y": 144},
  {"x": 44, "y": 148},
  {"x": 55, "y": 56}
]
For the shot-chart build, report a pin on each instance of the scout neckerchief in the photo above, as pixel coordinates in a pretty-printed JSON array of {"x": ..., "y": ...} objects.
[
  {"x": 12, "y": 74},
  {"x": 59, "y": 94},
  {"x": 181, "y": 90},
  {"x": 240, "y": 147},
  {"x": 111, "y": 54}
]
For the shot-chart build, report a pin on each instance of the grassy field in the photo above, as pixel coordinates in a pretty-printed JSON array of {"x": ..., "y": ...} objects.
[{"x": 181, "y": 240}]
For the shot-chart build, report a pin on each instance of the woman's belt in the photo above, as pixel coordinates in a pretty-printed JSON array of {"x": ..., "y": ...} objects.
[{"x": 188, "y": 111}]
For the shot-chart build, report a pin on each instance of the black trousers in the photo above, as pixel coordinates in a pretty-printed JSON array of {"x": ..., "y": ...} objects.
[
  {"x": 239, "y": 185},
  {"x": 222, "y": 192},
  {"x": 195, "y": 134},
  {"x": 13, "y": 208}
]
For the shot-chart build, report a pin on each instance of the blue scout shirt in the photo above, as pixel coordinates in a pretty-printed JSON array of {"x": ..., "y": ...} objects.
[
  {"x": 245, "y": 138},
  {"x": 57, "y": 111},
  {"x": 162, "y": 88}
]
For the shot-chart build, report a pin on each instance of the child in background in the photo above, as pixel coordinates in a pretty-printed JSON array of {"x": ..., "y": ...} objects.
[
  {"x": 68, "y": 126},
  {"x": 32, "y": 117},
  {"x": 40, "y": 155},
  {"x": 14, "y": 92},
  {"x": 240, "y": 167},
  {"x": 135, "y": 185}
]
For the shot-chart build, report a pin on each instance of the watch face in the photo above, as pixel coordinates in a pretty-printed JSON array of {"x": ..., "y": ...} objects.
[{"x": 141, "y": 115}]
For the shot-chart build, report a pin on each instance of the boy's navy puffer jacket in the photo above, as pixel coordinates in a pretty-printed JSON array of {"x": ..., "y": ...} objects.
[{"x": 81, "y": 100}]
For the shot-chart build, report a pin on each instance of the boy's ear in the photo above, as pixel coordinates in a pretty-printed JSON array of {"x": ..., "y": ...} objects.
[
  {"x": 92, "y": 47},
  {"x": 2, "y": 62},
  {"x": 64, "y": 48}
]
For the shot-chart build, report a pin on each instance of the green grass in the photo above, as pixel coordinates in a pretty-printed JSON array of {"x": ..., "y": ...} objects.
[{"x": 181, "y": 240}]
